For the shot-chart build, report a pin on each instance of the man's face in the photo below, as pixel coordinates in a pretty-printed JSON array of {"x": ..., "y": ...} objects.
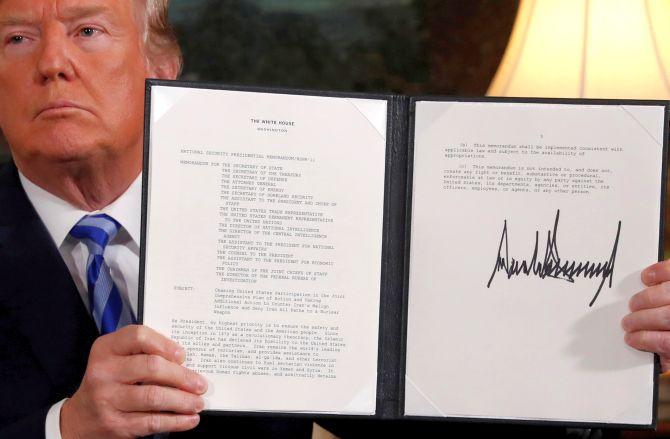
[{"x": 71, "y": 79}]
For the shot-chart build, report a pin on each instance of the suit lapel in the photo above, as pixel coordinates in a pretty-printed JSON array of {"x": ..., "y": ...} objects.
[{"x": 41, "y": 295}]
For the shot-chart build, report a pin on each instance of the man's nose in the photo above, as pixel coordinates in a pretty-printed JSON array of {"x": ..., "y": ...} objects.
[{"x": 54, "y": 61}]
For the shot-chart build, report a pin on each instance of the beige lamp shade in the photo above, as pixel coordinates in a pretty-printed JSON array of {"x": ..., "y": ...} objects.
[{"x": 587, "y": 49}]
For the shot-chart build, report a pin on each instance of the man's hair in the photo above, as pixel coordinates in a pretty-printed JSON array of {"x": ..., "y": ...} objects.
[{"x": 159, "y": 36}]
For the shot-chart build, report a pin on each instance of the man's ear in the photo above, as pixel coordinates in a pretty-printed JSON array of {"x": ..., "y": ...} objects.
[{"x": 166, "y": 67}]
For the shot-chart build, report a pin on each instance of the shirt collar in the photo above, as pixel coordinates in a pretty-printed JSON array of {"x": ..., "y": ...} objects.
[{"x": 59, "y": 216}]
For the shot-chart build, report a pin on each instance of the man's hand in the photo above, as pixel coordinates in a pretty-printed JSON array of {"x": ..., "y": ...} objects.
[
  {"x": 134, "y": 385},
  {"x": 648, "y": 325}
]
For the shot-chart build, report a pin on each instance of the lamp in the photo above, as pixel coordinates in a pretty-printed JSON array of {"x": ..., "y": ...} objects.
[{"x": 587, "y": 49}]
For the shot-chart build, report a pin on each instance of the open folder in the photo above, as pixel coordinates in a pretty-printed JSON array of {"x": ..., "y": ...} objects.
[{"x": 404, "y": 257}]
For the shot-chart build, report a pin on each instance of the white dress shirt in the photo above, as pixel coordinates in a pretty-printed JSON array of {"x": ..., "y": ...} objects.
[{"x": 121, "y": 255}]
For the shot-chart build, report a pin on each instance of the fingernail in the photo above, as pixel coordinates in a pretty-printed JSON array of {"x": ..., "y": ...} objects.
[
  {"x": 180, "y": 354},
  {"x": 199, "y": 384},
  {"x": 627, "y": 337},
  {"x": 624, "y": 322},
  {"x": 202, "y": 385},
  {"x": 200, "y": 405},
  {"x": 648, "y": 276}
]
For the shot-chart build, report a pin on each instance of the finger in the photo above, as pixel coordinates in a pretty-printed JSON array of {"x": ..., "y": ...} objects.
[
  {"x": 157, "y": 370},
  {"x": 654, "y": 319},
  {"x": 665, "y": 365},
  {"x": 150, "y": 398},
  {"x": 656, "y": 273},
  {"x": 141, "y": 424},
  {"x": 140, "y": 339},
  {"x": 651, "y": 297},
  {"x": 650, "y": 341}
]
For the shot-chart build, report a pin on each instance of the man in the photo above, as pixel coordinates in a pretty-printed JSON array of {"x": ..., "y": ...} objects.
[
  {"x": 71, "y": 107},
  {"x": 72, "y": 91}
]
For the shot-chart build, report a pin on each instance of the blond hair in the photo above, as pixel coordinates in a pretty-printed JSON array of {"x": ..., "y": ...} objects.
[{"x": 160, "y": 40}]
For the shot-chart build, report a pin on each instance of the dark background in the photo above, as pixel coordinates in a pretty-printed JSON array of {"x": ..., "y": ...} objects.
[{"x": 407, "y": 46}]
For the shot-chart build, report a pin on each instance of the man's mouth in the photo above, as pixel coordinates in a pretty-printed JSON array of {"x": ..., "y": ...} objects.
[{"x": 60, "y": 108}]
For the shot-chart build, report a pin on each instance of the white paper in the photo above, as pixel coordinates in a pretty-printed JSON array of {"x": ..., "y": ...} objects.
[
  {"x": 264, "y": 236},
  {"x": 530, "y": 346}
]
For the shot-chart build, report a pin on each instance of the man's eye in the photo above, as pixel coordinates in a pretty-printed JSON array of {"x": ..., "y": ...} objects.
[
  {"x": 16, "y": 39},
  {"x": 88, "y": 32}
]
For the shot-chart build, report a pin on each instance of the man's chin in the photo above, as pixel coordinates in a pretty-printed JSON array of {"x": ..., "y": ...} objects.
[
  {"x": 60, "y": 150},
  {"x": 64, "y": 140}
]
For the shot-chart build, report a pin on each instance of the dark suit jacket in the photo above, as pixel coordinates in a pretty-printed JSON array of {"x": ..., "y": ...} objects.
[{"x": 46, "y": 331}]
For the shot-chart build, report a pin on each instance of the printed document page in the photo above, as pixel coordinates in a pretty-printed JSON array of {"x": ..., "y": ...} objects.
[
  {"x": 530, "y": 226},
  {"x": 264, "y": 238}
]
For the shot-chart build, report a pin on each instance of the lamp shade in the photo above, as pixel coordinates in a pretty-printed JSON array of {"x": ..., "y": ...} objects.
[{"x": 587, "y": 49}]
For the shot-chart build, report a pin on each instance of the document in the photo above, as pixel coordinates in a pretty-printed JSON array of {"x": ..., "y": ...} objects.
[
  {"x": 263, "y": 244},
  {"x": 530, "y": 226},
  {"x": 395, "y": 257}
]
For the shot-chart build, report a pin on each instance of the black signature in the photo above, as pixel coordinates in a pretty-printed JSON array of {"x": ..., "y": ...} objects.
[{"x": 552, "y": 265}]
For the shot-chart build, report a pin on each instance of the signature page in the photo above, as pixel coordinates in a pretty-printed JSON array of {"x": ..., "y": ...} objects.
[
  {"x": 530, "y": 226},
  {"x": 263, "y": 244}
]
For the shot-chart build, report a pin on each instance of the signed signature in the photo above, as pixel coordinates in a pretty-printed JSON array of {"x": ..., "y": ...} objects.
[{"x": 551, "y": 264}]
